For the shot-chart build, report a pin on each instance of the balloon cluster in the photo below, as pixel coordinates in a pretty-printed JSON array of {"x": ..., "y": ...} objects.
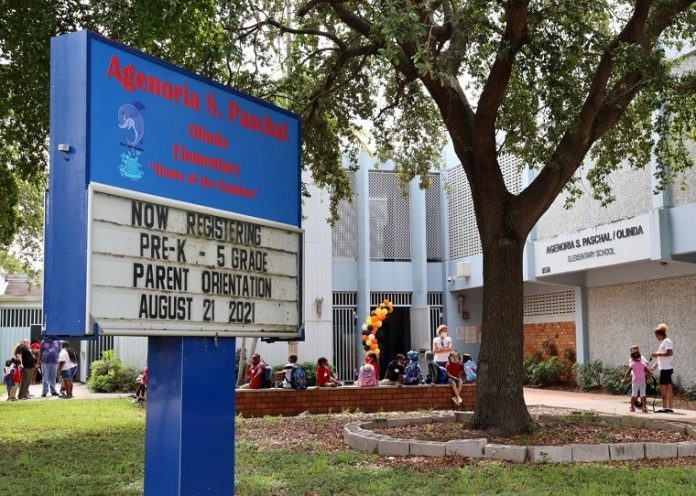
[{"x": 373, "y": 323}]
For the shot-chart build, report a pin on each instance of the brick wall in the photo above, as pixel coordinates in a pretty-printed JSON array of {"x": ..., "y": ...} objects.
[
  {"x": 561, "y": 333},
  {"x": 259, "y": 402}
]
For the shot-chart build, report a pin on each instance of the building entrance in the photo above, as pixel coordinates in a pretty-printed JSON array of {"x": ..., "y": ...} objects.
[{"x": 394, "y": 336}]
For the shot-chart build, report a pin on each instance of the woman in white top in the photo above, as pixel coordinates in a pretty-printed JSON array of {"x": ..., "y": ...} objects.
[
  {"x": 67, "y": 366},
  {"x": 442, "y": 345},
  {"x": 664, "y": 355}
]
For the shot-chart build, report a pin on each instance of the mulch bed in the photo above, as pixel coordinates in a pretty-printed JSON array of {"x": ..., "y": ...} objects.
[
  {"x": 549, "y": 433},
  {"x": 324, "y": 433}
]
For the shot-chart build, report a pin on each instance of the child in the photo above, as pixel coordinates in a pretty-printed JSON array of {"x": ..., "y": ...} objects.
[
  {"x": 371, "y": 358},
  {"x": 436, "y": 373},
  {"x": 140, "y": 387},
  {"x": 412, "y": 372},
  {"x": 639, "y": 369},
  {"x": 12, "y": 377},
  {"x": 469, "y": 368},
  {"x": 285, "y": 375},
  {"x": 324, "y": 377},
  {"x": 455, "y": 371},
  {"x": 366, "y": 376}
]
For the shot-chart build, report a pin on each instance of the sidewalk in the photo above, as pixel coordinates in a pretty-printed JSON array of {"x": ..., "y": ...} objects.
[
  {"x": 601, "y": 403},
  {"x": 594, "y": 402},
  {"x": 80, "y": 391}
]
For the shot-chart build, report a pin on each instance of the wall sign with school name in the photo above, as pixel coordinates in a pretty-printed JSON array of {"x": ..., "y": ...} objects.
[
  {"x": 624, "y": 241},
  {"x": 157, "y": 269}
]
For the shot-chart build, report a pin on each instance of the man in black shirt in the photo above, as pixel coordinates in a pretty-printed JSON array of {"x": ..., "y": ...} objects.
[
  {"x": 28, "y": 364},
  {"x": 395, "y": 372}
]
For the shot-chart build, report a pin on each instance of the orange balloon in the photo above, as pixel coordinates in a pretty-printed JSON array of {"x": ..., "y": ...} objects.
[
  {"x": 376, "y": 350},
  {"x": 379, "y": 324}
]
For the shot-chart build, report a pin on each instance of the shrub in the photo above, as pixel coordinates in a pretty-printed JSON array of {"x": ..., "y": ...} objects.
[
  {"x": 589, "y": 375},
  {"x": 108, "y": 375},
  {"x": 546, "y": 373},
  {"x": 611, "y": 381},
  {"x": 528, "y": 365},
  {"x": 690, "y": 392}
]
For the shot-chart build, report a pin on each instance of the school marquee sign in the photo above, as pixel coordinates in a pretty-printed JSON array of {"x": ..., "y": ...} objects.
[{"x": 173, "y": 204}]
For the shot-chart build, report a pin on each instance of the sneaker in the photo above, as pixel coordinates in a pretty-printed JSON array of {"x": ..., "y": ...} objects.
[
  {"x": 669, "y": 410},
  {"x": 54, "y": 394},
  {"x": 632, "y": 409},
  {"x": 645, "y": 409},
  {"x": 454, "y": 400},
  {"x": 43, "y": 395},
  {"x": 660, "y": 411}
]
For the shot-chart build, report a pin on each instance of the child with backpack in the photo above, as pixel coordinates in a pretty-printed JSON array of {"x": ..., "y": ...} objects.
[
  {"x": 412, "y": 372},
  {"x": 366, "y": 376},
  {"x": 256, "y": 374},
  {"x": 293, "y": 376},
  {"x": 436, "y": 373},
  {"x": 12, "y": 377}
]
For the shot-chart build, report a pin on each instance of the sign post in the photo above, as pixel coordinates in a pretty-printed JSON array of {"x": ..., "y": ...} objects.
[{"x": 173, "y": 212}]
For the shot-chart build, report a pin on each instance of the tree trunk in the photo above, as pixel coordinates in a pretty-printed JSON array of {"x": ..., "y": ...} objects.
[{"x": 500, "y": 406}]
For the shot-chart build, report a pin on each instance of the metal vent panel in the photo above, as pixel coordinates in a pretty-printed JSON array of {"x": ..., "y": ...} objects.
[
  {"x": 20, "y": 317},
  {"x": 397, "y": 299},
  {"x": 464, "y": 238},
  {"x": 346, "y": 336},
  {"x": 433, "y": 220},
  {"x": 560, "y": 303},
  {"x": 344, "y": 236},
  {"x": 390, "y": 218}
]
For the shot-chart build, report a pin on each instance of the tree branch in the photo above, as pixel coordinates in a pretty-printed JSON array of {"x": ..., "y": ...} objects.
[
  {"x": 602, "y": 108},
  {"x": 496, "y": 85}
]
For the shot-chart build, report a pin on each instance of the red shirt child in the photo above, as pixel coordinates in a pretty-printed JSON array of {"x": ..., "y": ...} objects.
[
  {"x": 323, "y": 376},
  {"x": 454, "y": 368},
  {"x": 255, "y": 374}
]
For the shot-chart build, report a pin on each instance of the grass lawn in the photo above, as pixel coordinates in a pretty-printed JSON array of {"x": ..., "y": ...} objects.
[{"x": 95, "y": 447}]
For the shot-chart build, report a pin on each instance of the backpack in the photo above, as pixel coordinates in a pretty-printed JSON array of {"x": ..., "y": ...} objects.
[
  {"x": 298, "y": 378},
  {"x": 267, "y": 380},
  {"x": 366, "y": 376},
  {"x": 442, "y": 376},
  {"x": 470, "y": 371},
  {"x": 412, "y": 373}
]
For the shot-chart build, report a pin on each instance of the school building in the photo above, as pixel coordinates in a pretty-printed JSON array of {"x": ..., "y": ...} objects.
[{"x": 597, "y": 279}]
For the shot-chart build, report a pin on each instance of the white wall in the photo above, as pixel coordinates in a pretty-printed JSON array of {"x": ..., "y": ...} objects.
[
  {"x": 317, "y": 283},
  {"x": 622, "y": 315}
]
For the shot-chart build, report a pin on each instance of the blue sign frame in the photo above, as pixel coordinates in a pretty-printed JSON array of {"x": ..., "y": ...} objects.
[{"x": 122, "y": 118}]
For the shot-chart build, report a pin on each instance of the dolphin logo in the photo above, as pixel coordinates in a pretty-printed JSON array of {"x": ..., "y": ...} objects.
[{"x": 129, "y": 118}]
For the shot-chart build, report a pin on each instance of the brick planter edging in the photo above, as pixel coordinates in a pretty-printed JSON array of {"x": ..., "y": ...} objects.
[{"x": 359, "y": 435}]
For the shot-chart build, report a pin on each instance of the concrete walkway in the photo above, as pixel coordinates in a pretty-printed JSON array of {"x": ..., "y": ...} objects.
[
  {"x": 601, "y": 403},
  {"x": 594, "y": 402},
  {"x": 80, "y": 391}
]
